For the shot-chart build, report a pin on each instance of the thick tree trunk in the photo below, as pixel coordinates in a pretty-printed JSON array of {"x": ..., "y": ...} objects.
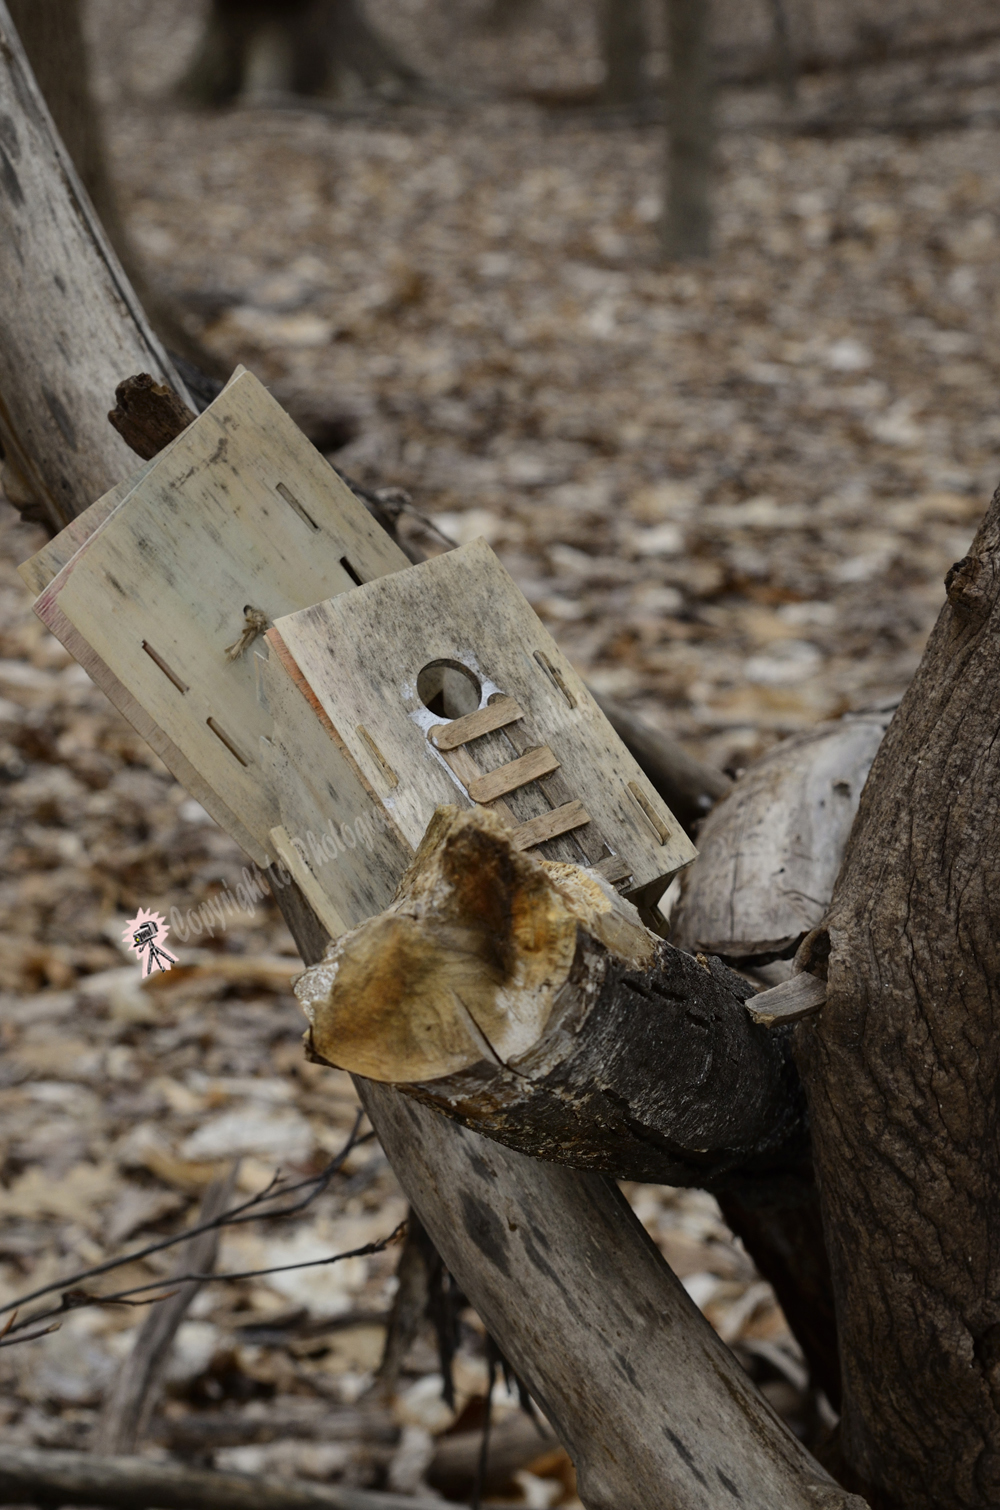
[
  {"x": 623, "y": 48},
  {"x": 902, "y": 1070},
  {"x": 686, "y": 228},
  {"x": 71, "y": 324}
]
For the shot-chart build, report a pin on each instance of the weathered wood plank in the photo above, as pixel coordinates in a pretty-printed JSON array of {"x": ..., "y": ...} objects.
[
  {"x": 462, "y": 609},
  {"x": 205, "y": 532},
  {"x": 496, "y": 715},
  {"x": 507, "y": 778},
  {"x": 70, "y": 324},
  {"x": 561, "y": 820},
  {"x": 771, "y": 850}
]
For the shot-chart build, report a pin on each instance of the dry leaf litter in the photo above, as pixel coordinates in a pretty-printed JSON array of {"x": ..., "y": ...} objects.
[{"x": 731, "y": 491}]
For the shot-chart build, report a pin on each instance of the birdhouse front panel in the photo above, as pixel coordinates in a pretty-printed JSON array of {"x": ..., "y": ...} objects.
[
  {"x": 238, "y": 522},
  {"x": 443, "y": 686}
]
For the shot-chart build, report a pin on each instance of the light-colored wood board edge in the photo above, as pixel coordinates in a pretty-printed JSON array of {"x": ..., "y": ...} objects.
[{"x": 302, "y": 874}]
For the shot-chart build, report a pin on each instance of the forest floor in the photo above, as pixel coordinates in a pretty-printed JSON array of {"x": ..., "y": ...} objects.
[{"x": 731, "y": 491}]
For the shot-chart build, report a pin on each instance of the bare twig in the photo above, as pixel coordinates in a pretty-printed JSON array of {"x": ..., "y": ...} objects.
[
  {"x": 76, "y": 1300},
  {"x": 245, "y": 1212},
  {"x": 129, "y": 1403}
]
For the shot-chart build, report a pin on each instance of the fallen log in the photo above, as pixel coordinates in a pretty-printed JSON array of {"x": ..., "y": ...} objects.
[
  {"x": 72, "y": 326},
  {"x": 33, "y": 1476}
]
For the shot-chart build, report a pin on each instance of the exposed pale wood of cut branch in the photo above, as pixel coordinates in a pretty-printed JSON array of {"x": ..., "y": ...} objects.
[
  {"x": 70, "y": 324},
  {"x": 770, "y": 852}
]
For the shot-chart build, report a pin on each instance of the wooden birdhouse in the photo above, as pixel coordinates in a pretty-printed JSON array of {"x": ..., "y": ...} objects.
[{"x": 320, "y": 695}]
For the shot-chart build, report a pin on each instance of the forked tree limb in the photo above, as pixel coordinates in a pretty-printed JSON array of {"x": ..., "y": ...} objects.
[
  {"x": 902, "y": 1069},
  {"x": 652, "y": 1408}
]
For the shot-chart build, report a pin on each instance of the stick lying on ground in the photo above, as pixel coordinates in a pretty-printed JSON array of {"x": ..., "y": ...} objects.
[{"x": 31, "y": 1475}]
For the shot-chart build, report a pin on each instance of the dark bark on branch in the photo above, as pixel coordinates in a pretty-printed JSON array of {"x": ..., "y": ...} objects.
[
  {"x": 623, "y": 48},
  {"x": 902, "y": 1068},
  {"x": 148, "y": 415}
]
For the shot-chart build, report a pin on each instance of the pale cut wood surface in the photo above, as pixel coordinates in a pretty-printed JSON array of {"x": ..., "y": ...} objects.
[
  {"x": 507, "y": 778},
  {"x": 802, "y": 996},
  {"x": 70, "y": 324},
  {"x": 496, "y": 715},
  {"x": 771, "y": 850},
  {"x": 464, "y": 607},
  {"x": 203, "y": 534}
]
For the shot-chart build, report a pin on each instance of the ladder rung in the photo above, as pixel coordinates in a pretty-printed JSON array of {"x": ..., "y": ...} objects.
[
  {"x": 502, "y": 711},
  {"x": 561, "y": 820},
  {"x": 507, "y": 778}
]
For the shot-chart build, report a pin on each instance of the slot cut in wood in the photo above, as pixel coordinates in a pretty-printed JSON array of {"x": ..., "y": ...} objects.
[
  {"x": 649, "y": 813},
  {"x": 507, "y": 778},
  {"x": 384, "y": 765},
  {"x": 555, "y": 677},
  {"x": 561, "y": 820},
  {"x": 349, "y": 569},
  {"x": 294, "y": 503},
  {"x": 167, "y": 672},
  {"x": 496, "y": 715},
  {"x": 221, "y": 734}
]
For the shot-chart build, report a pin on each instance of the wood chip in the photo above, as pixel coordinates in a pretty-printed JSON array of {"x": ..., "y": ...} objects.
[{"x": 790, "y": 1002}]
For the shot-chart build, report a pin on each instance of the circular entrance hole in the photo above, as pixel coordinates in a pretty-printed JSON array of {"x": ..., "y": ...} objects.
[{"x": 448, "y": 689}]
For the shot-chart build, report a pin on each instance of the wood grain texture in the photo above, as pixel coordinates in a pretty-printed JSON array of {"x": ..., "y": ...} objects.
[
  {"x": 561, "y": 820},
  {"x": 38, "y": 571},
  {"x": 70, "y": 324},
  {"x": 770, "y": 851},
  {"x": 801, "y": 996},
  {"x": 202, "y": 534},
  {"x": 507, "y": 778},
  {"x": 902, "y": 1068},
  {"x": 496, "y": 715},
  {"x": 463, "y": 607},
  {"x": 575, "y": 1010}
]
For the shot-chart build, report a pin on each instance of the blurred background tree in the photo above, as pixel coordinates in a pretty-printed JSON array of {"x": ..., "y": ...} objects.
[{"x": 306, "y": 47}]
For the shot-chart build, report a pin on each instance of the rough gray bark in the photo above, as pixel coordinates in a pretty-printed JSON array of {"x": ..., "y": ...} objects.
[
  {"x": 902, "y": 1069},
  {"x": 623, "y": 48},
  {"x": 573, "y": 1289},
  {"x": 70, "y": 324},
  {"x": 686, "y": 227}
]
